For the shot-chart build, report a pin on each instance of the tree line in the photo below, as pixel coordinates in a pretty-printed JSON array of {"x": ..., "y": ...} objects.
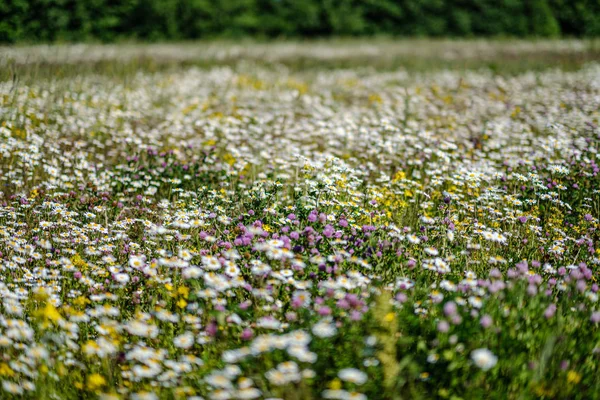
[{"x": 113, "y": 20}]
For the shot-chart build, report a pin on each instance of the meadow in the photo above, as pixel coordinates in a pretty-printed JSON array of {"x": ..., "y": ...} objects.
[{"x": 300, "y": 220}]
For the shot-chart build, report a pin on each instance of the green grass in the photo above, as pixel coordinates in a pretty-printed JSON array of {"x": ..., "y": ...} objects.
[{"x": 414, "y": 55}]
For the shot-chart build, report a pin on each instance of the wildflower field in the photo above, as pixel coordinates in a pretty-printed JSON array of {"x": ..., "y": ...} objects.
[{"x": 300, "y": 221}]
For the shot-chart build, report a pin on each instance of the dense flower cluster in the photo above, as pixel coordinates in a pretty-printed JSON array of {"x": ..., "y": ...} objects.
[{"x": 242, "y": 233}]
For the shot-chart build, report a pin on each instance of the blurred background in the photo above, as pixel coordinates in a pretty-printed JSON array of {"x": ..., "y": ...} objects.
[{"x": 49, "y": 21}]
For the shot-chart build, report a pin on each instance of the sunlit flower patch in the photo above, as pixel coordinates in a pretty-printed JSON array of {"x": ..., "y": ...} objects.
[{"x": 254, "y": 233}]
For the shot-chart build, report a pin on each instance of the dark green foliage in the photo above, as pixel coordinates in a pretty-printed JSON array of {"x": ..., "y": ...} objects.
[
  {"x": 110, "y": 20},
  {"x": 543, "y": 22},
  {"x": 494, "y": 17},
  {"x": 12, "y": 14},
  {"x": 578, "y": 17}
]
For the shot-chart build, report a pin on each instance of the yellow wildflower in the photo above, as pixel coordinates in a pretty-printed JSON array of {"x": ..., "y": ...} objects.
[
  {"x": 335, "y": 384},
  {"x": 95, "y": 381},
  {"x": 573, "y": 377}
]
